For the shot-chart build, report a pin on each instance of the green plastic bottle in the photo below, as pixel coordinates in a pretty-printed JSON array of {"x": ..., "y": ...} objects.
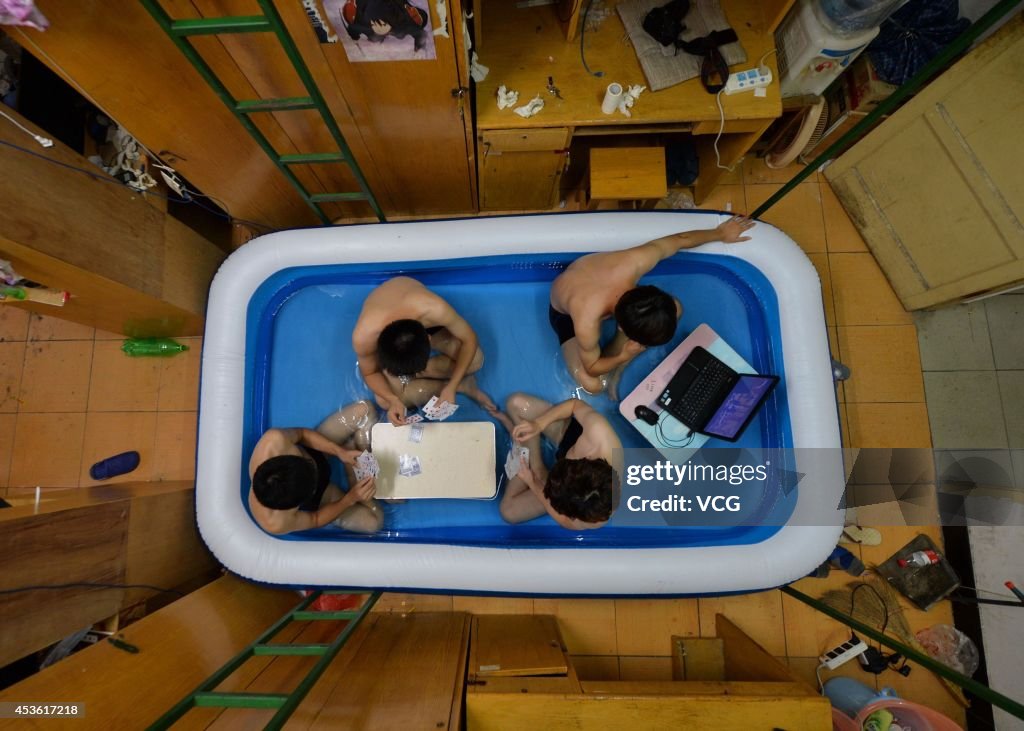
[{"x": 152, "y": 346}]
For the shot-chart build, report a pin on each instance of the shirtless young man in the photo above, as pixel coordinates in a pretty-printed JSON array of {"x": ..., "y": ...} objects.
[
  {"x": 401, "y": 324},
  {"x": 580, "y": 490},
  {"x": 290, "y": 475},
  {"x": 598, "y": 286}
]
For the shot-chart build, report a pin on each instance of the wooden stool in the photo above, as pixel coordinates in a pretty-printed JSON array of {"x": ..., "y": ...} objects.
[{"x": 635, "y": 174}]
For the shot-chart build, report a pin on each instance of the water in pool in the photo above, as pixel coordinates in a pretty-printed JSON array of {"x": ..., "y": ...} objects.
[{"x": 302, "y": 367}]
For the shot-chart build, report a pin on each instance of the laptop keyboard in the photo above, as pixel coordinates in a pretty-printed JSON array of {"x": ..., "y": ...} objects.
[{"x": 689, "y": 407}]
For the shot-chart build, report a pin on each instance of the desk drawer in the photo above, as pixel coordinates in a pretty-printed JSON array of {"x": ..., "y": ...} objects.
[
  {"x": 710, "y": 127},
  {"x": 523, "y": 140}
]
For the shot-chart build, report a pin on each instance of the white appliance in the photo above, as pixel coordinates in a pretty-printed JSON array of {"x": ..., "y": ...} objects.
[{"x": 813, "y": 51}]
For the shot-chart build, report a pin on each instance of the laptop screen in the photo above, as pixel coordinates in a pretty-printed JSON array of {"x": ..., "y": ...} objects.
[{"x": 739, "y": 406}]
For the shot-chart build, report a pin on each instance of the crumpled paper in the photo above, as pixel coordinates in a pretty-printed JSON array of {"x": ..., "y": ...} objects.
[
  {"x": 629, "y": 98},
  {"x": 477, "y": 70},
  {"x": 506, "y": 97},
  {"x": 531, "y": 107},
  {"x": 442, "y": 17}
]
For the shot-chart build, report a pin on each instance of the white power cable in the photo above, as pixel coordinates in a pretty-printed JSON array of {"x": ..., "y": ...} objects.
[{"x": 44, "y": 141}]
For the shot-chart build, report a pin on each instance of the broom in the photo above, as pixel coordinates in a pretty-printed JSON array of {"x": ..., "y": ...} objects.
[{"x": 885, "y": 615}]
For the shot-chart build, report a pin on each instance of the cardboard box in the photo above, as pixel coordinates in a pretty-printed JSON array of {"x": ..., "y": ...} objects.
[{"x": 864, "y": 87}]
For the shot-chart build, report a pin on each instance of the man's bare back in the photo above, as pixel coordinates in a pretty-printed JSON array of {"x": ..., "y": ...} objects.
[
  {"x": 405, "y": 303},
  {"x": 590, "y": 289}
]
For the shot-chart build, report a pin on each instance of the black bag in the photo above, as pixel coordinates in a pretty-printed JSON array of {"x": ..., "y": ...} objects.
[{"x": 665, "y": 23}]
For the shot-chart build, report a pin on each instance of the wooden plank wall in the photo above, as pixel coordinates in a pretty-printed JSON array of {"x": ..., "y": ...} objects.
[
  {"x": 113, "y": 534},
  {"x": 130, "y": 267}
]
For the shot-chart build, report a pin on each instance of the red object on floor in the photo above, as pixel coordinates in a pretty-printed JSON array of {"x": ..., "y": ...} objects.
[{"x": 334, "y": 602}]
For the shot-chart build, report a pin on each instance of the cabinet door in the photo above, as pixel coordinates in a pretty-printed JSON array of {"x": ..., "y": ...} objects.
[
  {"x": 520, "y": 169},
  {"x": 936, "y": 190}
]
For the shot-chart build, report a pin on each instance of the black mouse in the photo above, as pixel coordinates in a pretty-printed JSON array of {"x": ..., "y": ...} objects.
[{"x": 645, "y": 414}]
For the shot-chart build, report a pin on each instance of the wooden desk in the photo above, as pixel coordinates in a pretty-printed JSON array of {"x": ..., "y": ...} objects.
[{"x": 523, "y": 47}]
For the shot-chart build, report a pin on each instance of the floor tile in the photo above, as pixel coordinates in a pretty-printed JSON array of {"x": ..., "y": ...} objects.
[
  {"x": 755, "y": 171},
  {"x": 888, "y": 425},
  {"x": 7, "y": 427},
  {"x": 645, "y": 668},
  {"x": 844, "y": 425},
  {"x": 1006, "y": 326},
  {"x": 47, "y": 450},
  {"x": 12, "y": 361},
  {"x": 884, "y": 362},
  {"x": 646, "y": 626},
  {"x": 862, "y": 294},
  {"x": 588, "y": 625},
  {"x": 108, "y": 335},
  {"x": 409, "y": 603},
  {"x": 798, "y": 214},
  {"x": 759, "y": 615},
  {"x": 820, "y": 261},
  {"x": 965, "y": 410},
  {"x": 840, "y": 233},
  {"x": 596, "y": 667},
  {"x": 122, "y": 383},
  {"x": 735, "y": 175},
  {"x": 112, "y": 432},
  {"x": 1017, "y": 459},
  {"x": 13, "y": 323},
  {"x": 56, "y": 376},
  {"x": 179, "y": 378},
  {"x": 1011, "y": 391},
  {"x": 924, "y": 687},
  {"x": 954, "y": 338},
  {"x": 44, "y": 327},
  {"x": 492, "y": 605},
  {"x": 731, "y": 198},
  {"x": 175, "y": 445},
  {"x": 808, "y": 631}
]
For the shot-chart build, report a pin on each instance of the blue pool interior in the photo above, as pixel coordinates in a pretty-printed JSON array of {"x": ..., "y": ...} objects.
[{"x": 300, "y": 367}]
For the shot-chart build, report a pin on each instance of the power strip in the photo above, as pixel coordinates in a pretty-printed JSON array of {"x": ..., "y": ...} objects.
[
  {"x": 843, "y": 653},
  {"x": 748, "y": 80}
]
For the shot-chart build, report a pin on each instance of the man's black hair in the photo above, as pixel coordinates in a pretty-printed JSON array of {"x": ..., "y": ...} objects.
[
  {"x": 284, "y": 482},
  {"x": 403, "y": 348},
  {"x": 582, "y": 489},
  {"x": 646, "y": 315}
]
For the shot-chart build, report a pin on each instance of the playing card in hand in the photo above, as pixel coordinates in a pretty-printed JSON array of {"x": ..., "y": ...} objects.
[
  {"x": 414, "y": 418},
  {"x": 366, "y": 466},
  {"x": 517, "y": 458},
  {"x": 438, "y": 410}
]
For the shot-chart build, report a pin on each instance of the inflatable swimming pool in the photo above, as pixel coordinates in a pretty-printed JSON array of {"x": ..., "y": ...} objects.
[{"x": 277, "y": 352}]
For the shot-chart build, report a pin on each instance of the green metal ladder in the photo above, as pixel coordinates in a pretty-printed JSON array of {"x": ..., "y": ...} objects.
[
  {"x": 270, "y": 22},
  {"x": 205, "y": 696}
]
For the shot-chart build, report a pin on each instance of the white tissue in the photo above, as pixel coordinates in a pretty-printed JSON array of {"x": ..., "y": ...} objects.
[
  {"x": 506, "y": 97},
  {"x": 441, "y": 6},
  {"x": 531, "y": 107},
  {"x": 477, "y": 70},
  {"x": 629, "y": 99}
]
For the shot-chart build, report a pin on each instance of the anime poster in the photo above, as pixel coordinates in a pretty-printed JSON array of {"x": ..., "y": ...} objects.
[{"x": 375, "y": 30}]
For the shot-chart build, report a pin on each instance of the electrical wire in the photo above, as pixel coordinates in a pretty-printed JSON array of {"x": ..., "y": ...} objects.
[
  {"x": 721, "y": 115},
  {"x": 721, "y": 129},
  {"x": 660, "y": 433},
  {"x": 95, "y": 584},
  {"x": 583, "y": 34},
  {"x": 44, "y": 141},
  {"x": 104, "y": 178}
]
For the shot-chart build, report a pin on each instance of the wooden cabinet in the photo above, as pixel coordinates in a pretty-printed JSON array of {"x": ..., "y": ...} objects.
[
  {"x": 936, "y": 190},
  {"x": 520, "y": 168},
  {"x": 520, "y": 677}
]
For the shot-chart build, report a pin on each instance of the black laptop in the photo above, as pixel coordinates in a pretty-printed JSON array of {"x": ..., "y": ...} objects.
[{"x": 711, "y": 398}]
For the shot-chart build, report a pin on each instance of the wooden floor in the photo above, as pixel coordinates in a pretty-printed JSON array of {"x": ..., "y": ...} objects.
[{"x": 47, "y": 369}]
